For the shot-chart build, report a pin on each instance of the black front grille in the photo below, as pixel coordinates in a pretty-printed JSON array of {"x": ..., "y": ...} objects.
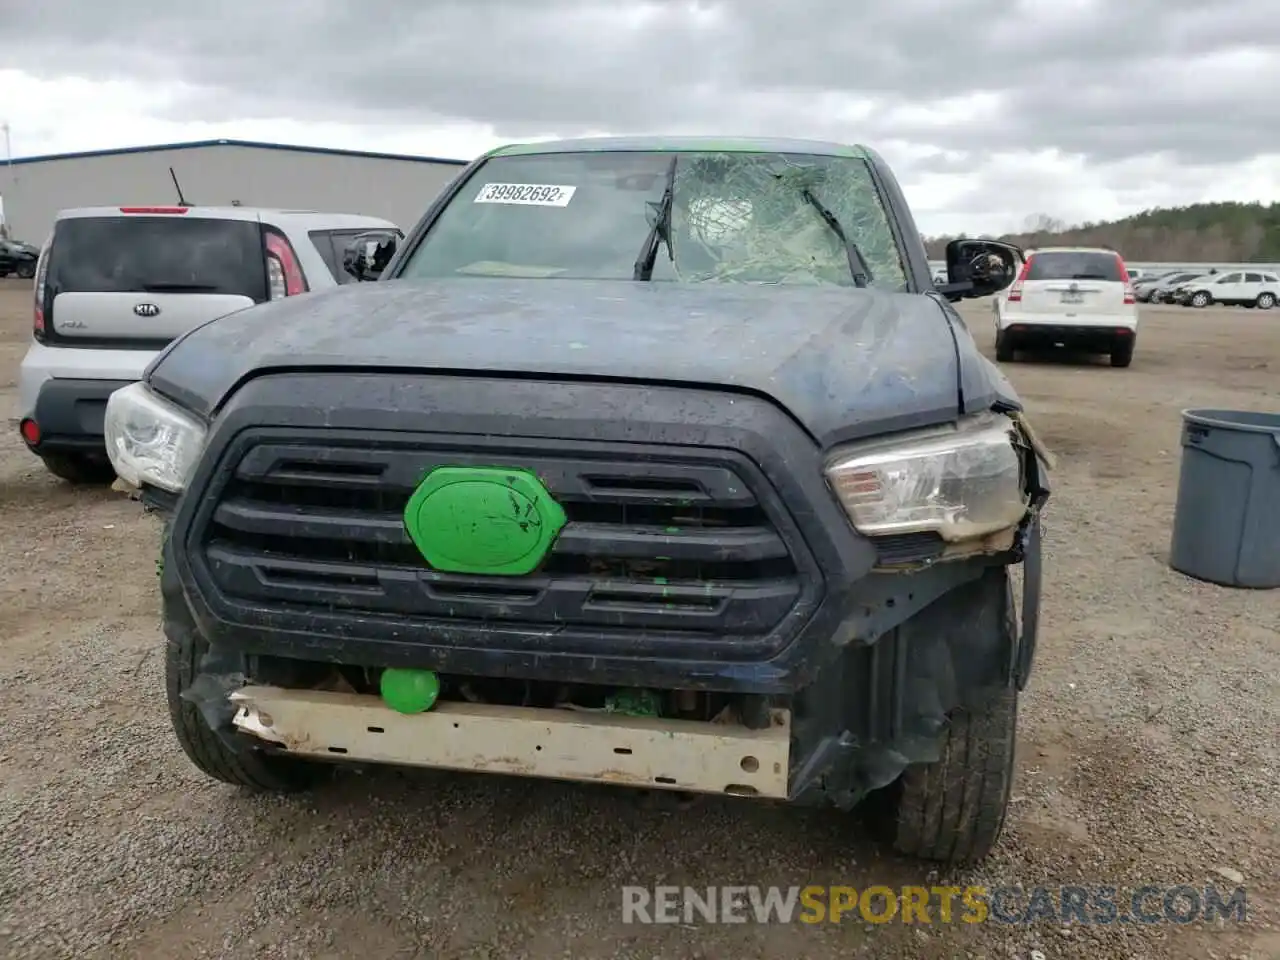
[{"x": 661, "y": 541}]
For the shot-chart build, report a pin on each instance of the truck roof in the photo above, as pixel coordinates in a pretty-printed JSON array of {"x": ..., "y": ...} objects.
[{"x": 685, "y": 144}]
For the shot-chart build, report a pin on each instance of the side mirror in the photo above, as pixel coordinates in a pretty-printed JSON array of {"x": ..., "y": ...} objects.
[
  {"x": 367, "y": 254},
  {"x": 980, "y": 268}
]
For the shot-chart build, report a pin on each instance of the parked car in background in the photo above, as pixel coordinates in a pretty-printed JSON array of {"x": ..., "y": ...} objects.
[
  {"x": 18, "y": 259},
  {"x": 115, "y": 285},
  {"x": 1160, "y": 289},
  {"x": 1177, "y": 292},
  {"x": 1239, "y": 288},
  {"x": 1077, "y": 298},
  {"x": 1142, "y": 286}
]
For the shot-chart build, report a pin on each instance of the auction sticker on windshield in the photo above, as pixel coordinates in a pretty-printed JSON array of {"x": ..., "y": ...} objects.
[{"x": 527, "y": 194}]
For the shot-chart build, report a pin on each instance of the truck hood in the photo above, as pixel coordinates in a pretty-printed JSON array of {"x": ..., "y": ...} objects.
[{"x": 844, "y": 363}]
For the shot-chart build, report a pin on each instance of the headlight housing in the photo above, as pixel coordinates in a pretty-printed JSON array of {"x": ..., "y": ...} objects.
[
  {"x": 962, "y": 482},
  {"x": 150, "y": 440}
]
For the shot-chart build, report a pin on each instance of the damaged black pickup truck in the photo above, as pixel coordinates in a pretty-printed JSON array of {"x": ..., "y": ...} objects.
[{"x": 655, "y": 462}]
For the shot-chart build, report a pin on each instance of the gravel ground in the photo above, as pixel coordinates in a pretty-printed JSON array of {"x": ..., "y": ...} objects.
[{"x": 1148, "y": 748}]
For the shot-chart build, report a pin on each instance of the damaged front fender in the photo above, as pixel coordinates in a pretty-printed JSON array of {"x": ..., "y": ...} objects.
[{"x": 1030, "y": 546}]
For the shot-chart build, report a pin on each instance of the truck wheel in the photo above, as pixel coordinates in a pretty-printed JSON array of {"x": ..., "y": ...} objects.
[
  {"x": 255, "y": 771},
  {"x": 79, "y": 468},
  {"x": 1004, "y": 350},
  {"x": 953, "y": 810},
  {"x": 1122, "y": 354}
]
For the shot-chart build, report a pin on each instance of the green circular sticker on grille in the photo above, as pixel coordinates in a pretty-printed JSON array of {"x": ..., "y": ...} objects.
[{"x": 483, "y": 520}]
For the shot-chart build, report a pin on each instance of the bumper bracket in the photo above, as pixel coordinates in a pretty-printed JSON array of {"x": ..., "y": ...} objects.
[{"x": 556, "y": 744}]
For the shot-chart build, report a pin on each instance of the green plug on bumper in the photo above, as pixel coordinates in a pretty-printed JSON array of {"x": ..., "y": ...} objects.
[{"x": 409, "y": 691}]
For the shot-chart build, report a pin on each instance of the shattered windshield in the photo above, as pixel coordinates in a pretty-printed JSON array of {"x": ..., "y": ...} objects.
[{"x": 733, "y": 217}]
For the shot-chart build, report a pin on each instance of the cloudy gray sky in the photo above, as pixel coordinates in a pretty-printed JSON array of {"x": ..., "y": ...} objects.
[{"x": 990, "y": 111}]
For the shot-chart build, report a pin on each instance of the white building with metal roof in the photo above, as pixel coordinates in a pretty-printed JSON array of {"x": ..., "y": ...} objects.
[{"x": 222, "y": 173}]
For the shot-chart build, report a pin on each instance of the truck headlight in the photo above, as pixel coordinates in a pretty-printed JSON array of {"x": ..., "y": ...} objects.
[
  {"x": 961, "y": 482},
  {"x": 150, "y": 440}
]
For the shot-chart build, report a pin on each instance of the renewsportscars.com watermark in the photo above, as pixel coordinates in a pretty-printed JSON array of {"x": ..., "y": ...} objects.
[{"x": 932, "y": 905}]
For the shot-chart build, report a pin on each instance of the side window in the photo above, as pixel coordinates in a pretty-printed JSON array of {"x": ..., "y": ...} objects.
[
  {"x": 1253, "y": 278},
  {"x": 331, "y": 244},
  {"x": 1231, "y": 278},
  {"x": 323, "y": 242}
]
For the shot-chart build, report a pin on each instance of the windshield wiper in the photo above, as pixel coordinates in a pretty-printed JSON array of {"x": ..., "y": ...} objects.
[
  {"x": 660, "y": 231},
  {"x": 858, "y": 265}
]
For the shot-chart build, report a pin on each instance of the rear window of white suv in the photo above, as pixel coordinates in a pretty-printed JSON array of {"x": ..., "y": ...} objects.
[
  {"x": 133, "y": 254},
  {"x": 1075, "y": 265}
]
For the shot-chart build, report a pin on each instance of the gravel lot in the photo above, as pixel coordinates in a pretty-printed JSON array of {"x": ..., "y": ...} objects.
[{"x": 1148, "y": 752}]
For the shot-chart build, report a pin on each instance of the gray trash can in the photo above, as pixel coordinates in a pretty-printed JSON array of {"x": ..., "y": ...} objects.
[{"x": 1226, "y": 527}]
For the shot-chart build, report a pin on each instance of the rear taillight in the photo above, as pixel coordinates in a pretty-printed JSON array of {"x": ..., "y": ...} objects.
[
  {"x": 30, "y": 431},
  {"x": 42, "y": 269},
  {"x": 1015, "y": 291},
  {"x": 1129, "y": 296},
  {"x": 284, "y": 273},
  {"x": 154, "y": 210}
]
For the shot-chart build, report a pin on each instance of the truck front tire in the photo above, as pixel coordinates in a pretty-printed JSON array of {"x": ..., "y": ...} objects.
[
  {"x": 256, "y": 771},
  {"x": 953, "y": 810}
]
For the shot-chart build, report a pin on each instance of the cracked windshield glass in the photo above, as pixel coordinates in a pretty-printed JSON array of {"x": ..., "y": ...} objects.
[{"x": 733, "y": 217}]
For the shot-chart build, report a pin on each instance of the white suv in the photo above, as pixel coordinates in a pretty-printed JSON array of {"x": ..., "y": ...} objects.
[
  {"x": 115, "y": 285},
  {"x": 1079, "y": 298},
  {"x": 1239, "y": 288}
]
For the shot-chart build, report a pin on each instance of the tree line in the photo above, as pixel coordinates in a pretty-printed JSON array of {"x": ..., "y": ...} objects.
[{"x": 1226, "y": 232}]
